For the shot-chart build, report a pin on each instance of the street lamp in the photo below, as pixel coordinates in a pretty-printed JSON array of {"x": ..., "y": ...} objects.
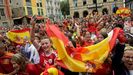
[{"x": 95, "y": 2}]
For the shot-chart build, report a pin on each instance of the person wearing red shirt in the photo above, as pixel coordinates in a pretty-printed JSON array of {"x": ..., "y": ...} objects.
[{"x": 46, "y": 53}]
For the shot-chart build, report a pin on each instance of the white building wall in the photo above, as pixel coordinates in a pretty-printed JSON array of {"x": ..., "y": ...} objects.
[{"x": 53, "y": 9}]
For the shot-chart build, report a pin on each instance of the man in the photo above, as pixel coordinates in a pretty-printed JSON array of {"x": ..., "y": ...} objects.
[{"x": 128, "y": 57}]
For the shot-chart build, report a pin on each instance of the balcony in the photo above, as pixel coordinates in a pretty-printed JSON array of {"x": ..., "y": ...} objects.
[{"x": 94, "y": 5}]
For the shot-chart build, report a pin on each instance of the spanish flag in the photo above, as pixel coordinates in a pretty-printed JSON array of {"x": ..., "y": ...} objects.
[
  {"x": 18, "y": 36},
  {"x": 60, "y": 41},
  {"x": 94, "y": 55},
  {"x": 99, "y": 52}
]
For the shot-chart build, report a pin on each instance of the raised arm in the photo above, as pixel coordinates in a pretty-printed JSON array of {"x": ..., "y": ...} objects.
[
  {"x": 32, "y": 34},
  {"x": 100, "y": 20}
]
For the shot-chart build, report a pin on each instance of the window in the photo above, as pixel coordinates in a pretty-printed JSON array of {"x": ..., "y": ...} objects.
[
  {"x": 17, "y": 3},
  {"x": 50, "y": 2},
  {"x": 75, "y": 3},
  {"x": 48, "y": 11},
  {"x": 2, "y": 13},
  {"x": 42, "y": 11},
  {"x": 37, "y": 4},
  {"x": 58, "y": 3},
  {"x": 28, "y": 0},
  {"x": 39, "y": 13},
  {"x": 56, "y": 10},
  {"x": 40, "y": 4},
  {"x": 1, "y": 1},
  {"x": 84, "y": 2},
  {"x": 94, "y": 1},
  {"x": 131, "y": 6},
  {"x": 10, "y": 1},
  {"x": 104, "y": 0},
  {"x": 12, "y": 12},
  {"x": 29, "y": 10},
  {"x": 5, "y": 24}
]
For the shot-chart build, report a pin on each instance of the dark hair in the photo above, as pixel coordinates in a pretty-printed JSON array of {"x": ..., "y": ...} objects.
[
  {"x": 104, "y": 34},
  {"x": 120, "y": 25}
]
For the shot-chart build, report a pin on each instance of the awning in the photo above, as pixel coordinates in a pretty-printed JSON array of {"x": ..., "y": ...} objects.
[
  {"x": 38, "y": 17},
  {"x": 18, "y": 17}
]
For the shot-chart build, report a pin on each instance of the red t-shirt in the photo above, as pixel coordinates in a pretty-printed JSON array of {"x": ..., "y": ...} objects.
[
  {"x": 92, "y": 27},
  {"x": 31, "y": 69},
  {"x": 47, "y": 59}
]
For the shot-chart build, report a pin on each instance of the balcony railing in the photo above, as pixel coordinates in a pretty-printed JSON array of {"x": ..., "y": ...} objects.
[{"x": 94, "y": 5}]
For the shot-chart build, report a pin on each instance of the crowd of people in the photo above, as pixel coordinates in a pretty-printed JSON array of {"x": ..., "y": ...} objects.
[{"x": 37, "y": 54}]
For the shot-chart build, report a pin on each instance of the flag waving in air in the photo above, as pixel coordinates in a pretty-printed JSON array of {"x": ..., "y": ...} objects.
[
  {"x": 59, "y": 41},
  {"x": 18, "y": 36},
  {"x": 93, "y": 55}
]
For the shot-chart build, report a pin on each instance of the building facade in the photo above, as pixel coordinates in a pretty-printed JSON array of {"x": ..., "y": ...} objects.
[
  {"x": 53, "y": 10},
  {"x": 5, "y": 13},
  {"x": 21, "y": 8},
  {"x": 81, "y": 8},
  {"x": 14, "y": 11},
  {"x": 129, "y": 4}
]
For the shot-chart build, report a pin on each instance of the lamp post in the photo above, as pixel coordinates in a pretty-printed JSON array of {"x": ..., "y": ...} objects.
[{"x": 96, "y": 5}]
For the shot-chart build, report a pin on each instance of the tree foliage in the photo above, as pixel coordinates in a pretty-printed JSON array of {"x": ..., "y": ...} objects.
[{"x": 65, "y": 7}]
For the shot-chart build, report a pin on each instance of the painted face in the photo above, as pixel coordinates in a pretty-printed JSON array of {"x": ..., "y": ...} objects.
[
  {"x": 46, "y": 44},
  {"x": 15, "y": 65},
  {"x": 128, "y": 59}
]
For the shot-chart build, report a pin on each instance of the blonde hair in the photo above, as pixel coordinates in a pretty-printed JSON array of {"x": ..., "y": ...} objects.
[{"x": 20, "y": 60}]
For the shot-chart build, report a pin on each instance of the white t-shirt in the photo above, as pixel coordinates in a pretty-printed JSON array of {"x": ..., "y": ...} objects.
[{"x": 34, "y": 54}]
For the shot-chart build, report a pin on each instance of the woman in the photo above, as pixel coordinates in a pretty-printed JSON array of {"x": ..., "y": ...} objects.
[{"x": 22, "y": 66}]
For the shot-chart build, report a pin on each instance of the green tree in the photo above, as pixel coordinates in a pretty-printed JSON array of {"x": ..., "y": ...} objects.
[{"x": 65, "y": 7}]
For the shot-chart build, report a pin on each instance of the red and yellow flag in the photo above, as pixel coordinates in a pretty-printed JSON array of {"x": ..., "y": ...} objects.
[
  {"x": 100, "y": 51},
  {"x": 18, "y": 36},
  {"x": 59, "y": 41},
  {"x": 95, "y": 53}
]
